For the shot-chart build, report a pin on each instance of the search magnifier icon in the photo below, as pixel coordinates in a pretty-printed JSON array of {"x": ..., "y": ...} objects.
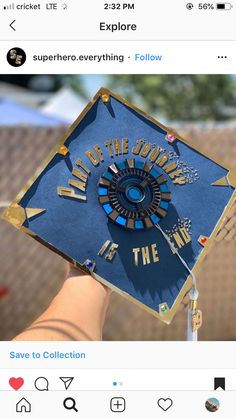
[{"x": 70, "y": 404}]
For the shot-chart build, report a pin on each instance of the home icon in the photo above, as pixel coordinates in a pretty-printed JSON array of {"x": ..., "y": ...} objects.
[{"x": 23, "y": 406}]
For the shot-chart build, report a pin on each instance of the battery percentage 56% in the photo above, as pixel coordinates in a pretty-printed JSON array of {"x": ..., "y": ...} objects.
[
  {"x": 206, "y": 6},
  {"x": 201, "y": 6}
]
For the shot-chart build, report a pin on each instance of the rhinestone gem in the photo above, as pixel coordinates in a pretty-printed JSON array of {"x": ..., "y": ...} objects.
[
  {"x": 63, "y": 150},
  {"x": 89, "y": 264},
  {"x": 164, "y": 308},
  {"x": 170, "y": 138}
]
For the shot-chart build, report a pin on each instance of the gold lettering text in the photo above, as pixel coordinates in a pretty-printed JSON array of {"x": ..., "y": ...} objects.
[
  {"x": 162, "y": 160},
  {"x": 78, "y": 184},
  {"x": 108, "y": 144},
  {"x": 117, "y": 147},
  {"x": 185, "y": 235},
  {"x": 112, "y": 252},
  {"x": 179, "y": 241},
  {"x": 80, "y": 175},
  {"x": 154, "y": 253},
  {"x": 81, "y": 164},
  {"x": 146, "y": 150},
  {"x": 154, "y": 154},
  {"x": 125, "y": 146},
  {"x": 145, "y": 255},
  {"x": 136, "y": 252},
  {"x": 175, "y": 174},
  {"x": 98, "y": 150},
  {"x": 92, "y": 157},
  {"x": 137, "y": 149}
]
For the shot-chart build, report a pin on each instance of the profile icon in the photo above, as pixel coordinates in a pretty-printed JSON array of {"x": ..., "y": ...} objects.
[
  {"x": 212, "y": 404},
  {"x": 16, "y": 57}
]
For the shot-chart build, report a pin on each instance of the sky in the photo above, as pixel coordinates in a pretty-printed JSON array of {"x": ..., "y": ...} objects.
[{"x": 93, "y": 83}]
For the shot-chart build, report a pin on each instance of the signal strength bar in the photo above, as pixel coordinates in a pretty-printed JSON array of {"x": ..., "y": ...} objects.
[{"x": 9, "y": 7}]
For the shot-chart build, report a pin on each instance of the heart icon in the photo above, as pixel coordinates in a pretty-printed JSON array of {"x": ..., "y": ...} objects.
[
  {"x": 165, "y": 404},
  {"x": 16, "y": 383}
]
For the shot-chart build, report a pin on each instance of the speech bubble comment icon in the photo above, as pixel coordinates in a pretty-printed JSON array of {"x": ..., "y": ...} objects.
[{"x": 41, "y": 384}]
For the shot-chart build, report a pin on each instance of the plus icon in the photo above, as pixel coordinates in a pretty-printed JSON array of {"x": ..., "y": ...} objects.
[{"x": 117, "y": 404}]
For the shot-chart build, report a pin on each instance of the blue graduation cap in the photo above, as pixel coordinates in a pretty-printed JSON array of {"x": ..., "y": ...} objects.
[{"x": 128, "y": 200}]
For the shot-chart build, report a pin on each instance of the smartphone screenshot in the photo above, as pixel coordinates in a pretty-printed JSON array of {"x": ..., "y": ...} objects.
[{"x": 117, "y": 209}]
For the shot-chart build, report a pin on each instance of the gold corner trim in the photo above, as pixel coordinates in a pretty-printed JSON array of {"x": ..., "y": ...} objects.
[
  {"x": 221, "y": 182},
  {"x": 228, "y": 180},
  {"x": 32, "y": 212},
  {"x": 103, "y": 91},
  {"x": 232, "y": 178},
  {"x": 15, "y": 214},
  {"x": 30, "y": 233}
]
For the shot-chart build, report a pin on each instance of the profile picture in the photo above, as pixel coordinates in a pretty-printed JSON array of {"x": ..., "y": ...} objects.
[
  {"x": 212, "y": 404},
  {"x": 16, "y": 57}
]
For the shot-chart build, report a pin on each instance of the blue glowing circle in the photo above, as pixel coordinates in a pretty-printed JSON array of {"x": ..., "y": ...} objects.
[{"x": 134, "y": 193}]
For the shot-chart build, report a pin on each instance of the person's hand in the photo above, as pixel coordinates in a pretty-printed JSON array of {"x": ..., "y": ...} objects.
[
  {"x": 76, "y": 313},
  {"x": 72, "y": 271}
]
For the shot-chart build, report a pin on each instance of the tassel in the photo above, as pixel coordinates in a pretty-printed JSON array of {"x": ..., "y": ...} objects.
[{"x": 194, "y": 320}]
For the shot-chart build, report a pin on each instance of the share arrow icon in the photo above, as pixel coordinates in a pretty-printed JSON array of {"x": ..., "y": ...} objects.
[{"x": 67, "y": 381}]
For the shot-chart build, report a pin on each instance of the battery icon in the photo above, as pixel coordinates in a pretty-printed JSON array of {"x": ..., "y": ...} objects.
[{"x": 224, "y": 6}]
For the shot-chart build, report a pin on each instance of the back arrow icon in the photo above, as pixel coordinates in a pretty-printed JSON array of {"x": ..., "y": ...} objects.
[{"x": 12, "y": 24}]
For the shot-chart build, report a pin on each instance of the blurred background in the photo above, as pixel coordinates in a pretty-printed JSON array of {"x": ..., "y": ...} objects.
[{"x": 35, "y": 112}]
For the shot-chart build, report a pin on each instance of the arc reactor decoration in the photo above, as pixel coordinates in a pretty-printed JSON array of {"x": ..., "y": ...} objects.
[
  {"x": 120, "y": 195},
  {"x": 133, "y": 194}
]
